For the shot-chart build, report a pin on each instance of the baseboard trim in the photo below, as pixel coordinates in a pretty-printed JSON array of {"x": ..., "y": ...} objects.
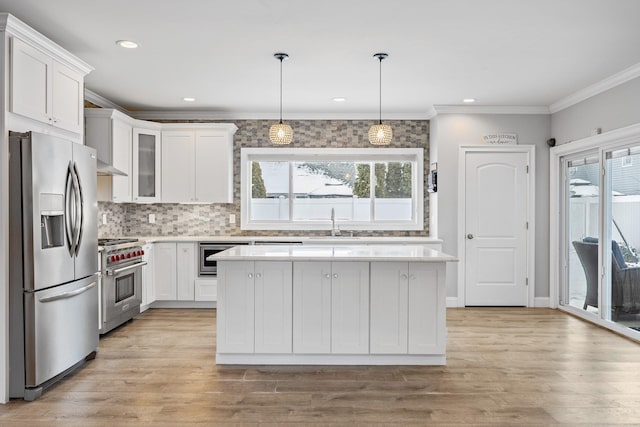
[
  {"x": 452, "y": 302},
  {"x": 183, "y": 304},
  {"x": 541, "y": 302}
]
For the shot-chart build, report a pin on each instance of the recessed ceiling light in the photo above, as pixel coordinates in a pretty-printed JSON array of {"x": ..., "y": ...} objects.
[
  {"x": 469, "y": 100},
  {"x": 188, "y": 99},
  {"x": 339, "y": 99},
  {"x": 127, "y": 44}
]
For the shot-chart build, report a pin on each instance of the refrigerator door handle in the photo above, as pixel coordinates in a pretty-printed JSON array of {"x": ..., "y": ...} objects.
[
  {"x": 65, "y": 295},
  {"x": 79, "y": 208},
  {"x": 69, "y": 212}
]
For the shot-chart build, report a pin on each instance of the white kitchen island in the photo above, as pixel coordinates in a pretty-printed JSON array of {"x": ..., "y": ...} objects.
[{"x": 331, "y": 305}]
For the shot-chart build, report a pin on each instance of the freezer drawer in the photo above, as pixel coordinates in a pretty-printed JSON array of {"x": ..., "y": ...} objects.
[{"x": 60, "y": 328}]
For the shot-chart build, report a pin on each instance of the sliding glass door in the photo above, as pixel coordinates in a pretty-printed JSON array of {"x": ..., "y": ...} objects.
[
  {"x": 622, "y": 228},
  {"x": 598, "y": 224},
  {"x": 581, "y": 219}
]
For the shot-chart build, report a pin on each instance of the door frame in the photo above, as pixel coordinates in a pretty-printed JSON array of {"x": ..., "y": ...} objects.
[
  {"x": 530, "y": 150},
  {"x": 602, "y": 142}
]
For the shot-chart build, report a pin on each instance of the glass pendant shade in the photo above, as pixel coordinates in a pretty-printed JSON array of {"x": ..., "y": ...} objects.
[
  {"x": 380, "y": 134},
  {"x": 280, "y": 134}
]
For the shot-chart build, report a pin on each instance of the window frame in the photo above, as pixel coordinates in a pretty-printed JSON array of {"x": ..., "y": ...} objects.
[{"x": 413, "y": 155}]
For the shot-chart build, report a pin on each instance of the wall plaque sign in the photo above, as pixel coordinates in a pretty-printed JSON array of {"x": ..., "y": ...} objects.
[{"x": 500, "y": 138}]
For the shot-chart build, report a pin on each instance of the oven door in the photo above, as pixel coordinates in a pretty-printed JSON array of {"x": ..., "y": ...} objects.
[
  {"x": 122, "y": 293},
  {"x": 210, "y": 268}
]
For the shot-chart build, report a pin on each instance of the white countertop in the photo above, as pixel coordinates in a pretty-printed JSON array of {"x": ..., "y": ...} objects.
[
  {"x": 385, "y": 252},
  {"x": 338, "y": 240}
]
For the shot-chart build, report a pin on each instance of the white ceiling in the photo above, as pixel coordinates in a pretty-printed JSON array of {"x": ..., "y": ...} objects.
[{"x": 502, "y": 52}]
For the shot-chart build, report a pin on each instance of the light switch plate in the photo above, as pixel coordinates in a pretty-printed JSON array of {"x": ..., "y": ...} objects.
[
  {"x": 104, "y": 219},
  {"x": 232, "y": 219},
  {"x": 152, "y": 218}
]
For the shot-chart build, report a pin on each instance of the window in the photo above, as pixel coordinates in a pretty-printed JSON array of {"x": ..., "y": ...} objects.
[{"x": 300, "y": 189}]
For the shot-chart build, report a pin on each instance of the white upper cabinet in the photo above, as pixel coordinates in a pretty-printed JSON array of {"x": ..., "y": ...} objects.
[
  {"x": 197, "y": 163},
  {"x": 146, "y": 178},
  {"x": 131, "y": 146},
  {"x": 45, "y": 89},
  {"x": 178, "y": 159}
]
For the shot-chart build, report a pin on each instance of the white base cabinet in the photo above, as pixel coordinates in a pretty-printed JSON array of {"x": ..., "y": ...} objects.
[
  {"x": 338, "y": 312},
  {"x": 175, "y": 268},
  {"x": 148, "y": 288},
  {"x": 256, "y": 316}
]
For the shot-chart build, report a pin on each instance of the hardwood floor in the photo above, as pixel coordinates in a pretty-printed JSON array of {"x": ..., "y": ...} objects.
[{"x": 505, "y": 366}]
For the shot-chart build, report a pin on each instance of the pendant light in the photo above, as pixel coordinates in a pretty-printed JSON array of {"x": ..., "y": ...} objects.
[
  {"x": 280, "y": 134},
  {"x": 380, "y": 134}
]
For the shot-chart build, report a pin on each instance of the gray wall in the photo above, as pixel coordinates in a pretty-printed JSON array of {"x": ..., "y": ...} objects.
[
  {"x": 615, "y": 108},
  {"x": 448, "y": 133},
  {"x": 213, "y": 219}
]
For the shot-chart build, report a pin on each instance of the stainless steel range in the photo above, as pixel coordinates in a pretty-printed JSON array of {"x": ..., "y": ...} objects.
[{"x": 120, "y": 264}]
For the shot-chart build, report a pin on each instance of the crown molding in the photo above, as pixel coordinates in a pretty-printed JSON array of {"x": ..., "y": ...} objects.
[
  {"x": 226, "y": 115},
  {"x": 610, "y": 82},
  {"x": 101, "y": 101},
  {"x": 488, "y": 109},
  {"x": 17, "y": 28}
]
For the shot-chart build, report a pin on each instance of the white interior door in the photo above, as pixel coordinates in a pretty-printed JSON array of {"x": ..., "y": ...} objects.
[{"x": 495, "y": 228}]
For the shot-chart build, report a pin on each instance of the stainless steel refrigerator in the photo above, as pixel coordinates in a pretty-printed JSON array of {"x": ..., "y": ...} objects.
[{"x": 53, "y": 250}]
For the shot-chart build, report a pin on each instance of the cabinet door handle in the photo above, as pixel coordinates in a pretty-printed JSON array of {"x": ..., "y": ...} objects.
[
  {"x": 403, "y": 276},
  {"x": 335, "y": 275},
  {"x": 412, "y": 277},
  {"x": 258, "y": 275},
  {"x": 328, "y": 276},
  {"x": 250, "y": 275}
]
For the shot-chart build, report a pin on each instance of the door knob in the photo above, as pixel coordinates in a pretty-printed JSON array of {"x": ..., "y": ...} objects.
[{"x": 469, "y": 236}]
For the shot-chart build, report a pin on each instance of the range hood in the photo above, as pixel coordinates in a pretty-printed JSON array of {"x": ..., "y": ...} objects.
[{"x": 105, "y": 169}]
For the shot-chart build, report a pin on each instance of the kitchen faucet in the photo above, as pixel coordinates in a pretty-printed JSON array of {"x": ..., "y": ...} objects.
[{"x": 335, "y": 231}]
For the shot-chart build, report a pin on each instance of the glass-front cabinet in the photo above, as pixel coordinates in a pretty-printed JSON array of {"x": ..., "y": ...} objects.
[{"x": 146, "y": 165}]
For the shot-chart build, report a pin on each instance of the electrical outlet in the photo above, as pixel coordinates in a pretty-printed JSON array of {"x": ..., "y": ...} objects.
[
  {"x": 232, "y": 219},
  {"x": 104, "y": 219},
  {"x": 152, "y": 218}
]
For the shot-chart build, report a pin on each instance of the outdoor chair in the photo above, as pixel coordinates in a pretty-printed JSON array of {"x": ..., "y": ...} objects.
[{"x": 625, "y": 280}]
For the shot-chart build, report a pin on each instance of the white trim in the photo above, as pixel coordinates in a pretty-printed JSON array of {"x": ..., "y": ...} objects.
[
  {"x": 16, "y": 27},
  {"x": 596, "y": 88},
  {"x": 101, "y": 101},
  {"x": 330, "y": 359},
  {"x": 488, "y": 109},
  {"x": 606, "y": 324},
  {"x": 541, "y": 302},
  {"x": 227, "y": 127},
  {"x": 531, "y": 239},
  {"x": 182, "y": 304},
  {"x": 452, "y": 302},
  {"x": 263, "y": 115},
  {"x": 602, "y": 142},
  {"x": 368, "y": 154}
]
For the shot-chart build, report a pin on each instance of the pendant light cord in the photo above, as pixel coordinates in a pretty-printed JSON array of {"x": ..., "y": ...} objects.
[
  {"x": 281, "y": 59},
  {"x": 380, "y": 91}
]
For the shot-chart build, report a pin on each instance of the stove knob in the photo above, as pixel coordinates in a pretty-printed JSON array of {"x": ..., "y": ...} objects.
[
  {"x": 141, "y": 252},
  {"x": 113, "y": 258},
  {"x": 118, "y": 257},
  {"x": 129, "y": 255}
]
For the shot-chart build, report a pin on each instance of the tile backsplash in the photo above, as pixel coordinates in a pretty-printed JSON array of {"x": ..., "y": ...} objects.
[{"x": 123, "y": 219}]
